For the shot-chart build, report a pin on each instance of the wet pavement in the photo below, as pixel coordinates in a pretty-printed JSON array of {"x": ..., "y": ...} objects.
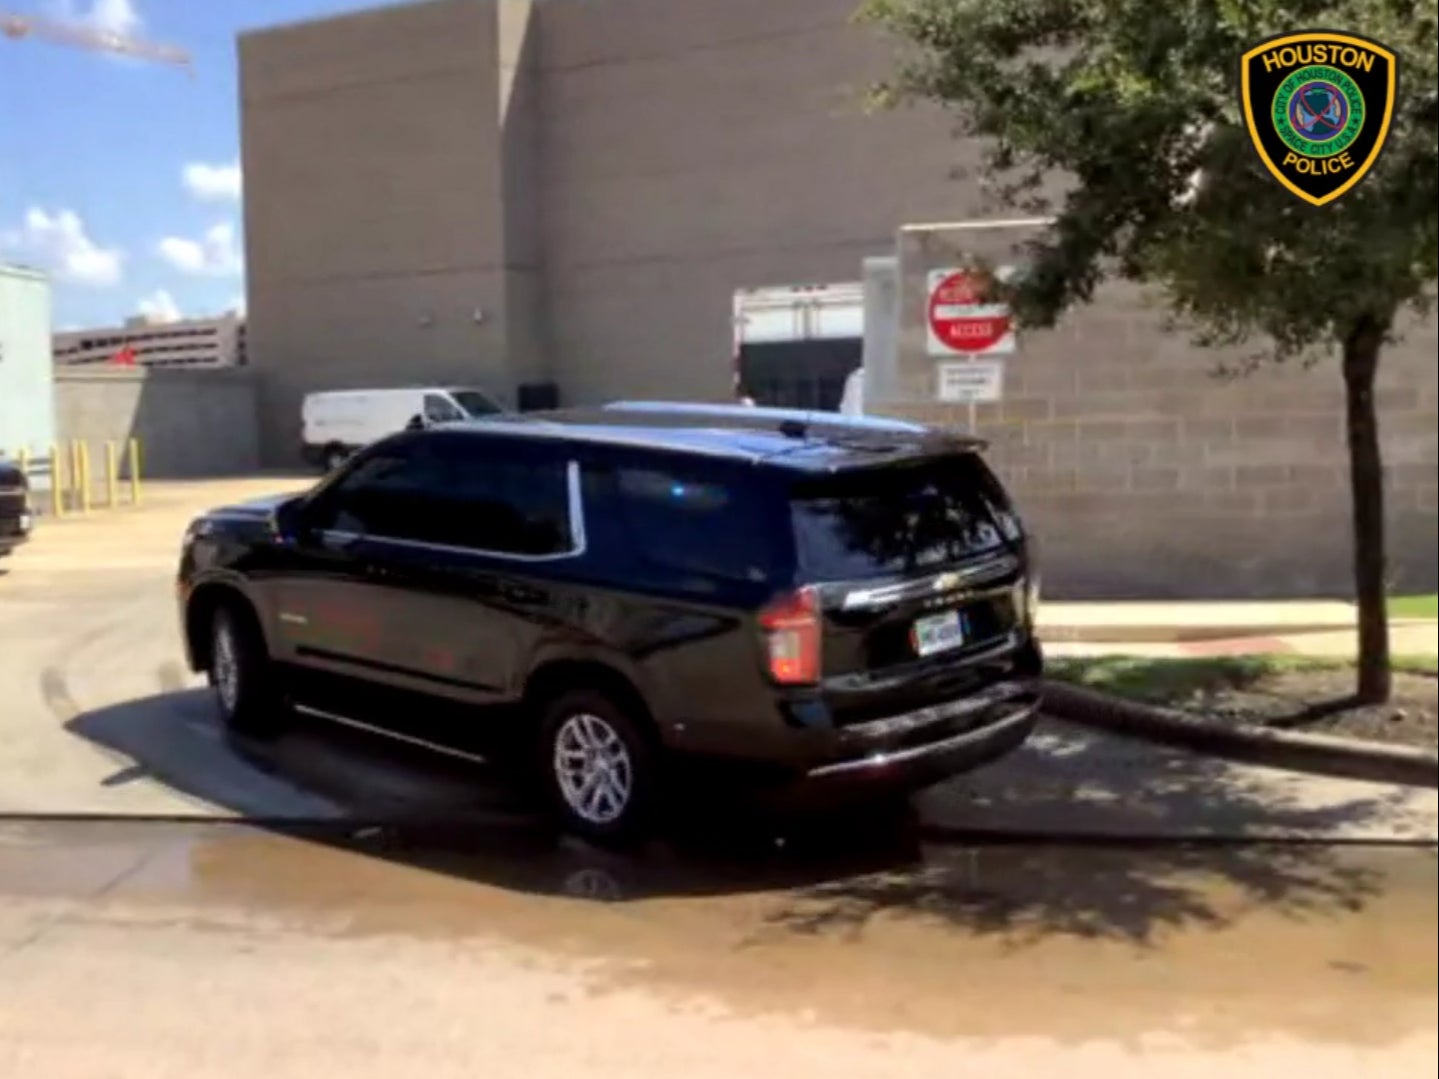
[{"x": 149, "y": 949}]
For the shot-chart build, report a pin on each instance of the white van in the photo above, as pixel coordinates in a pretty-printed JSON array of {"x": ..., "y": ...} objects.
[{"x": 337, "y": 423}]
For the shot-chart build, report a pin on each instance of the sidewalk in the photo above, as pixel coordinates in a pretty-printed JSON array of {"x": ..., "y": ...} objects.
[
  {"x": 1406, "y": 640},
  {"x": 1189, "y": 621},
  {"x": 1073, "y": 782}
]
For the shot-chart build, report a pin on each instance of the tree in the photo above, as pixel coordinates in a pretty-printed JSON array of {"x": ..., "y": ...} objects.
[{"x": 1135, "y": 103}]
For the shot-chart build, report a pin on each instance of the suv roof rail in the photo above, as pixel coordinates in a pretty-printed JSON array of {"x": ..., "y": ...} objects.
[
  {"x": 800, "y": 429},
  {"x": 782, "y": 420},
  {"x": 871, "y": 432}
]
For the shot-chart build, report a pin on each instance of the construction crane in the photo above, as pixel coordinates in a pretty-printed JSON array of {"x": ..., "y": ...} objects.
[{"x": 19, "y": 27}]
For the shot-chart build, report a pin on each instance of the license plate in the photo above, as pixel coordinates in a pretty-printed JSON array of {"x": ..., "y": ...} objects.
[{"x": 937, "y": 633}]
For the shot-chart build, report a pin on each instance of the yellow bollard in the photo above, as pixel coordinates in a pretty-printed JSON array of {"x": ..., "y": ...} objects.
[
  {"x": 72, "y": 453},
  {"x": 24, "y": 458},
  {"x": 77, "y": 476},
  {"x": 135, "y": 471},
  {"x": 57, "y": 481},
  {"x": 112, "y": 476},
  {"x": 87, "y": 488}
]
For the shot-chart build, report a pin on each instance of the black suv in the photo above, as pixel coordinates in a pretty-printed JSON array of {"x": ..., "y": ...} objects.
[
  {"x": 611, "y": 592},
  {"x": 15, "y": 513}
]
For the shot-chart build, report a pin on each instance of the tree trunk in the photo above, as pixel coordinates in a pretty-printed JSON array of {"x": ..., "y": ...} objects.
[{"x": 1366, "y": 483}]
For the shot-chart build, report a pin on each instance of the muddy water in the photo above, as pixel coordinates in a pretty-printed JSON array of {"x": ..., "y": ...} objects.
[{"x": 1210, "y": 947}]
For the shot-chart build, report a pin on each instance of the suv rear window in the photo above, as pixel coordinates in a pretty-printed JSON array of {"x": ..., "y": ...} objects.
[
  {"x": 693, "y": 521},
  {"x": 897, "y": 519}
]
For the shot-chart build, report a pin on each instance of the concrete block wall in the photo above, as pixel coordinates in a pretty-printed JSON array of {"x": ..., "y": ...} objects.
[
  {"x": 1145, "y": 475},
  {"x": 189, "y": 423}
]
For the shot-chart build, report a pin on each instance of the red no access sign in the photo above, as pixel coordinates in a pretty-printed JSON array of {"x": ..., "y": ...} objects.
[{"x": 962, "y": 320}]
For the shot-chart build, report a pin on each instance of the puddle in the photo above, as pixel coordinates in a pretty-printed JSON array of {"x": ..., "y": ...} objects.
[{"x": 1214, "y": 945}]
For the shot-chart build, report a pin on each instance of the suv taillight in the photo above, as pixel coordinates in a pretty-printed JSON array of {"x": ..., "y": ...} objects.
[{"x": 791, "y": 628}]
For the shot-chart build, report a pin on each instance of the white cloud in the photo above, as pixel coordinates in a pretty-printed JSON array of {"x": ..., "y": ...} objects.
[
  {"x": 213, "y": 183},
  {"x": 239, "y": 305},
  {"x": 159, "y": 306},
  {"x": 60, "y": 244},
  {"x": 112, "y": 16},
  {"x": 215, "y": 254}
]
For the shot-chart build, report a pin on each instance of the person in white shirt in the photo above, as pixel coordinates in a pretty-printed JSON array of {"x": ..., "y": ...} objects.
[
  {"x": 741, "y": 393},
  {"x": 852, "y": 403}
]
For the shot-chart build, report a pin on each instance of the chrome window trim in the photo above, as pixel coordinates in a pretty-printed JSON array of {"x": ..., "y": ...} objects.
[{"x": 579, "y": 539}]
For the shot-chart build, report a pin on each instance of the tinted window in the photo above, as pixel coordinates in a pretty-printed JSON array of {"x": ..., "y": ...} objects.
[
  {"x": 504, "y": 496},
  {"x": 440, "y": 410},
  {"x": 896, "y": 519},
  {"x": 487, "y": 496},
  {"x": 686, "y": 520},
  {"x": 474, "y": 402},
  {"x": 389, "y": 492}
]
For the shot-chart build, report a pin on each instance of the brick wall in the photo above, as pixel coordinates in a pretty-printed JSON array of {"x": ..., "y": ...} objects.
[{"x": 1145, "y": 475}]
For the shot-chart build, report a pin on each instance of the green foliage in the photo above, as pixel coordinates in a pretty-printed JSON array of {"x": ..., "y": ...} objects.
[
  {"x": 1414, "y": 606},
  {"x": 1127, "y": 99}
]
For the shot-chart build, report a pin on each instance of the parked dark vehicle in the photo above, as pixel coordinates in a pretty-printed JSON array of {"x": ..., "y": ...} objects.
[
  {"x": 16, "y": 518},
  {"x": 834, "y": 600}
]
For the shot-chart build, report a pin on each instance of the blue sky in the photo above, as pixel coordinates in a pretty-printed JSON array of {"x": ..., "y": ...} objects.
[{"x": 121, "y": 178}]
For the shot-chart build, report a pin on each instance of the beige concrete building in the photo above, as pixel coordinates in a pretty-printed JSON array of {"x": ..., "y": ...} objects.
[
  {"x": 510, "y": 191},
  {"x": 191, "y": 342},
  {"x": 501, "y": 190}
]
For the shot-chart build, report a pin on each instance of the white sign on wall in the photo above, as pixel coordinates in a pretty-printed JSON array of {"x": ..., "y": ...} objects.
[{"x": 971, "y": 382}]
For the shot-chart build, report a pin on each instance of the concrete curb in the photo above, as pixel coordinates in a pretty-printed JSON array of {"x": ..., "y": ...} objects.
[
  {"x": 1121, "y": 633},
  {"x": 1345, "y": 758}
]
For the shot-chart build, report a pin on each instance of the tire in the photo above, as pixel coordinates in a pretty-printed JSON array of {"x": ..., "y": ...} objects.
[
  {"x": 333, "y": 458},
  {"x": 243, "y": 676},
  {"x": 599, "y": 769}
]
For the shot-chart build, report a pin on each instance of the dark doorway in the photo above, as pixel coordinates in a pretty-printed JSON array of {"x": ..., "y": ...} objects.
[{"x": 799, "y": 374}]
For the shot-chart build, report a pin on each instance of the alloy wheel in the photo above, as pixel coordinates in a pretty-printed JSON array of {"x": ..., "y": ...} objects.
[{"x": 593, "y": 769}]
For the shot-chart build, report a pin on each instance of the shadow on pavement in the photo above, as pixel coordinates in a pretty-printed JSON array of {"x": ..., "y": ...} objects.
[
  {"x": 1071, "y": 780},
  {"x": 835, "y": 875}
]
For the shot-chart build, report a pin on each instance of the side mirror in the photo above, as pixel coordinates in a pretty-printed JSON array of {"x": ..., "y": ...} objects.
[
  {"x": 417, "y": 423},
  {"x": 290, "y": 521}
]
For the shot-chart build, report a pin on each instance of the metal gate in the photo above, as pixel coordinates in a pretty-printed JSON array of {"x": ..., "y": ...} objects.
[
  {"x": 799, "y": 374},
  {"x": 796, "y": 344}
]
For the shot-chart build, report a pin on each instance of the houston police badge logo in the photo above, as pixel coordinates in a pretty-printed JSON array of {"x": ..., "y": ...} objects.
[{"x": 1318, "y": 106}]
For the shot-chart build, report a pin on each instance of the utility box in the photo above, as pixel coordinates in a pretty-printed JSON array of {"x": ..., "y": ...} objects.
[{"x": 27, "y": 373}]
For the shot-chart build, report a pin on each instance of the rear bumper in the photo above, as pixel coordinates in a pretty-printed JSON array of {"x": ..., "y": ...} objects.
[{"x": 929, "y": 745}]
